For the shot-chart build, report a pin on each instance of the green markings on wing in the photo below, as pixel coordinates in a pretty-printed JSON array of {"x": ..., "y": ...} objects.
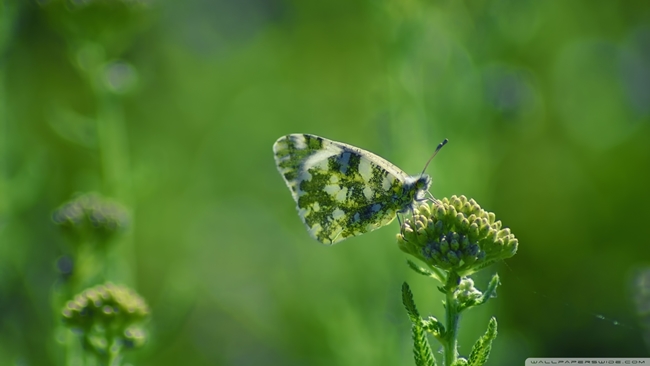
[
  {"x": 340, "y": 190},
  {"x": 343, "y": 209},
  {"x": 290, "y": 153}
]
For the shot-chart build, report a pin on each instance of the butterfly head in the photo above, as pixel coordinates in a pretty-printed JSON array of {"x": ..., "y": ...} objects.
[
  {"x": 414, "y": 190},
  {"x": 422, "y": 182},
  {"x": 421, "y": 185}
]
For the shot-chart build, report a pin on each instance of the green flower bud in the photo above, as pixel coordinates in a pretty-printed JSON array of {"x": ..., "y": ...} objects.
[
  {"x": 484, "y": 228},
  {"x": 466, "y": 293},
  {"x": 439, "y": 226},
  {"x": 91, "y": 217},
  {"x": 107, "y": 316},
  {"x": 464, "y": 242},
  {"x": 452, "y": 257},
  {"x": 451, "y": 212},
  {"x": 425, "y": 212},
  {"x": 491, "y": 217},
  {"x": 444, "y": 245},
  {"x": 457, "y": 202},
  {"x": 456, "y": 234},
  {"x": 440, "y": 211},
  {"x": 134, "y": 337},
  {"x": 474, "y": 232}
]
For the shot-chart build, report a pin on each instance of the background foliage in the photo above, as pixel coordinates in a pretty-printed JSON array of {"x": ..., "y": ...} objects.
[{"x": 546, "y": 105}]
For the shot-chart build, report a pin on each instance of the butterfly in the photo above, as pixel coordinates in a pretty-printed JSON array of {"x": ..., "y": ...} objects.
[{"x": 343, "y": 191}]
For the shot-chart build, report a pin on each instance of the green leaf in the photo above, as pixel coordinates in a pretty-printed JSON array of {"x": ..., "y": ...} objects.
[
  {"x": 490, "y": 292},
  {"x": 479, "y": 267},
  {"x": 434, "y": 273},
  {"x": 482, "y": 347},
  {"x": 422, "y": 353},
  {"x": 419, "y": 269},
  {"x": 434, "y": 326},
  {"x": 460, "y": 362},
  {"x": 409, "y": 304}
]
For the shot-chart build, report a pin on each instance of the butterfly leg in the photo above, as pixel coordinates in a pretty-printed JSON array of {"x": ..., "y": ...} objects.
[
  {"x": 413, "y": 219},
  {"x": 401, "y": 226},
  {"x": 399, "y": 221},
  {"x": 432, "y": 199}
]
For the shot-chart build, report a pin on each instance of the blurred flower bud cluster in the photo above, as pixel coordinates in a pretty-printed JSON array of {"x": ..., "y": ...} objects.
[{"x": 108, "y": 318}]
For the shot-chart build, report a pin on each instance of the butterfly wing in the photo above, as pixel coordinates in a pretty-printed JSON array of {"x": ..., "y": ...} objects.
[{"x": 340, "y": 190}]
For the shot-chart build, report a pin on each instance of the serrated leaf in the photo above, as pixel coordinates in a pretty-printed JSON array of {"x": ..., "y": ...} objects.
[
  {"x": 460, "y": 362},
  {"x": 434, "y": 326},
  {"x": 491, "y": 290},
  {"x": 419, "y": 269},
  {"x": 489, "y": 293},
  {"x": 482, "y": 347},
  {"x": 422, "y": 353},
  {"x": 479, "y": 267},
  {"x": 409, "y": 304}
]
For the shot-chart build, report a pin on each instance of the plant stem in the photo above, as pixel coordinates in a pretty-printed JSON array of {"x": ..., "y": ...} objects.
[
  {"x": 438, "y": 274},
  {"x": 113, "y": 149},
  {"x": 4, "y": 149},
  {"x": 452, "y": 316},
  {"x": 73, "y": 355},
  {"x": 113, "y": 356}
]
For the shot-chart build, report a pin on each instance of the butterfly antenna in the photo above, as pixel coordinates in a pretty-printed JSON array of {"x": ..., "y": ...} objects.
[
  {"x": 433, "y": 199},
  {"x": 440, "y": 145}
]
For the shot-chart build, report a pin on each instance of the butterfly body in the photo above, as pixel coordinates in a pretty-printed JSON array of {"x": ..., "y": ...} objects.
[{"x": 341, "y": 190}]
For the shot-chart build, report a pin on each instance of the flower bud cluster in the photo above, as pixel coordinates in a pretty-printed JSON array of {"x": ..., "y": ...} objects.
[
  {"x": 92, "y": 214},
  {"x": 466, "y": 293},
  {"x": 107, "y": 311},
  {"x": 456, "y": 234}
]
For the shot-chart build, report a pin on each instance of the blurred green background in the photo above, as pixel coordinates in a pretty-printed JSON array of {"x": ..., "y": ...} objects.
[{"x": 172, "y": 108}]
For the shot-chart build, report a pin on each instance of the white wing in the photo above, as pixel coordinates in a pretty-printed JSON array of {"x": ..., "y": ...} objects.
[{"x": 340, "y": 190}]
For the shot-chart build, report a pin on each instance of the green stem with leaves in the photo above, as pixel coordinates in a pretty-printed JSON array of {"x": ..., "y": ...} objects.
[
  {"x": 455, "y": 238},
  {"x": 452, "y": 317}
]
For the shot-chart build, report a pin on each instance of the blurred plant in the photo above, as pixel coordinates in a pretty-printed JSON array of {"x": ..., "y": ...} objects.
[
  {"x": 641, "y": 294},
  {"x": 454, "y": 237},
  {"x": 91, "y": 222},
  {"x": 111, "y": 24},
  {"x": 107, "y": 319},
  {"x": 104, "y": 315},
  {"x": 9, "y": 12},
  {"x": 98, "y": 33},
  {"x": 92, "y": 218}
]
